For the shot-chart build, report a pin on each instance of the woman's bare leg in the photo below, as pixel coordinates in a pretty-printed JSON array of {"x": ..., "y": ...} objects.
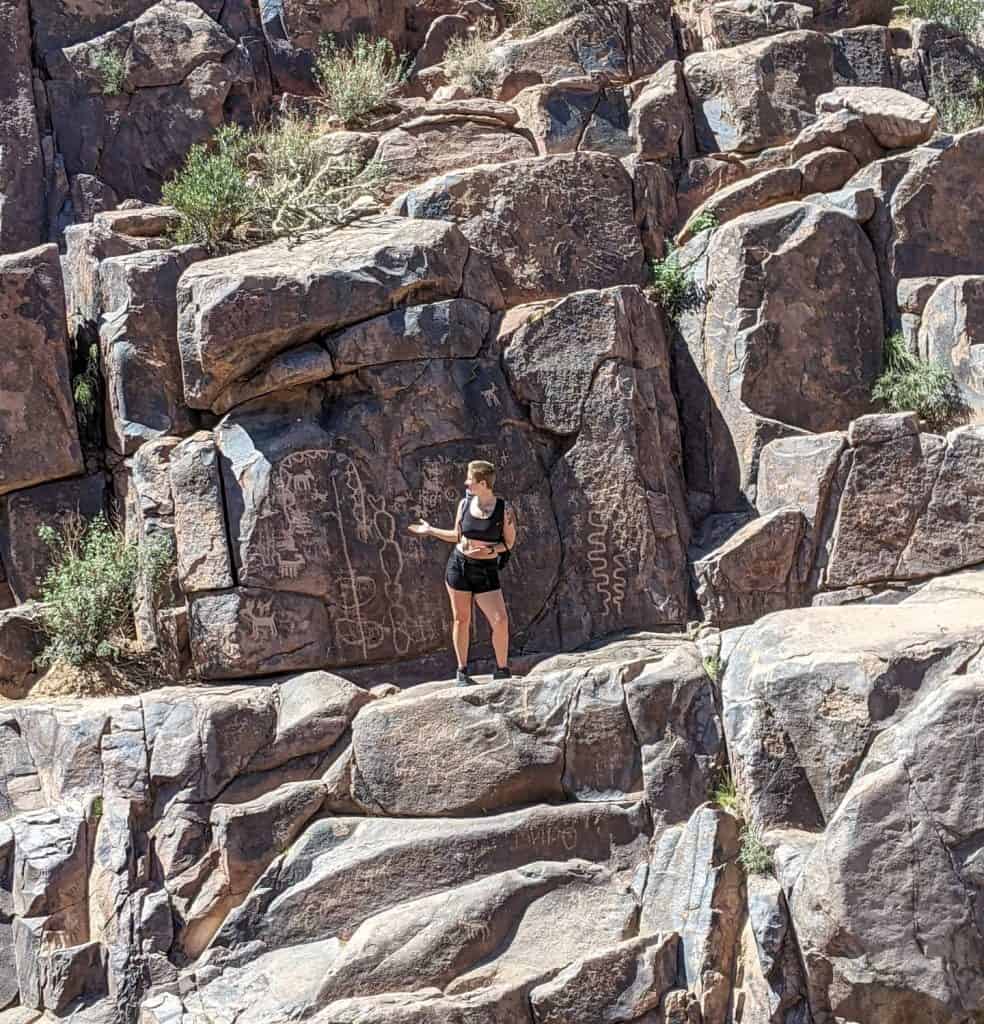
[
  {"x": 493, "y": 607},
  {"x": 461, "y": 614}
]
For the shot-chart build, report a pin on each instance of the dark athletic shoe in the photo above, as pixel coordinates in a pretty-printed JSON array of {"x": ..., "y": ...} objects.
[
  {"x": 502, "y": 673},
  {"x": 462, "y": 678}
]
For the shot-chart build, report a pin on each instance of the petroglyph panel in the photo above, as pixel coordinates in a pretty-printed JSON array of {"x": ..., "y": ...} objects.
[
  {"x": 320, "y": 492},
  {"x": 254, "y": 632}
]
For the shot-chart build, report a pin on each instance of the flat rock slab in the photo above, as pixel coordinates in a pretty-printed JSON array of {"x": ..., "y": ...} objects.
[
  {"x": 237, "y": 311},
  {"x": 343, "y": 870}
]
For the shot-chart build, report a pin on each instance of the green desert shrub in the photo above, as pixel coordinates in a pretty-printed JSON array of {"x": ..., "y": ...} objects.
[
  {"x": 211, "y": 191},
  {"x": 468, "y": 58},
  {"x": 110, "y": 68},
  {"x": 755, "y": 856},
  {"x": 356, "y": 80},
  {"x": 87, "y": 595},
  {"x": 965, "y": 16},
  {"x": 86, "y": 392},
  {"x": 960, "y": 110},
  {"x": 725, "y": 795},
  {"x": 671, "y": 286},
  {"x": 265, "y": 184},
  {"x": 535, "y": 15},
  {"x": 910, "y": 384},
  {"x": 705, "y": 221}
]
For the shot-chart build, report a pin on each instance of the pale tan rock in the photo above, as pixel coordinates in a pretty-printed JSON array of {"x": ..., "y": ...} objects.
[{"x": 896, "y": 119}]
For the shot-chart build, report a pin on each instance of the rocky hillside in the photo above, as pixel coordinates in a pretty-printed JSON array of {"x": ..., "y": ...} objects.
[{"x": 705, "y": 282}]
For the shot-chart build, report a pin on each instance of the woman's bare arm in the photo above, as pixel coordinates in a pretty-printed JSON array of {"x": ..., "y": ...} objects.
[{"x": 452, "y": 536}]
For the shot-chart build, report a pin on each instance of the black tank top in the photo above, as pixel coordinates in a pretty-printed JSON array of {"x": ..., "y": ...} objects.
[{"x": 487, "y": 530}]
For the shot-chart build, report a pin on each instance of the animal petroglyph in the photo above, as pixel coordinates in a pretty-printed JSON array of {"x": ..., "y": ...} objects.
[
  {"x": 260, "y": 620},
  {"x": 491, "y": 396},
  {"x": 476, "y": 931}
]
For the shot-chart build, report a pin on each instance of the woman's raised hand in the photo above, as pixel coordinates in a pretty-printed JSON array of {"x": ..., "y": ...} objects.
[{"x": 420, "y": 528}]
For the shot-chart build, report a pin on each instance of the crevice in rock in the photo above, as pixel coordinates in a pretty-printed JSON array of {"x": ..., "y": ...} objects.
[{"x": 968, "y": 889}]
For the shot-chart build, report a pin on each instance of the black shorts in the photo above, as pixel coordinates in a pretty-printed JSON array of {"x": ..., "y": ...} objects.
[{"x": 473, "y": 575}]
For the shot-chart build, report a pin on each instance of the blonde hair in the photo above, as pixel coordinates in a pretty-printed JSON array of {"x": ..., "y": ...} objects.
[{"x": 482, "y": 471}]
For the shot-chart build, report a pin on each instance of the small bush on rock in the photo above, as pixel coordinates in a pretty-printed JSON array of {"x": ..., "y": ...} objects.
[
  {"x": 467, "y": 61},
  {"x": 910, "y": 384},
  {"x": 965, "y": 16},
  {"x": 671, "y": 285},
  {"x": 298, "y": 189},
  {"x": 357, "y": 80},
  {"x": 86, "y": 388},
  {"x": 755, "y": 856},
  {"x": 111, "y": 70},
  {"x": 706, "y": 221},
  {"x": 535, "y": 15},
  {"x": 264, "y": 185},
  {"x": 725, "y": 795},
  {"x": 959, "y": 110},
  {"x": 211, "y": 192},
  {"x": 89, "y": 590}
]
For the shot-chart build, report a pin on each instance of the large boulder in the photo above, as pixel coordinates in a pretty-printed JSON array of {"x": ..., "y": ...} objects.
[
  {"x": 951, "y": 331},
  {"x": 236, "y": 311},
  {"x": 575, "y": 115},
  {"x": 911, "y": 505},
  {"x": 38, "y": 431},
  {"x": 930, "y": 185},
  {"x": 887, "y": 902},
  {"x": 547, "y": 226},
  {"x": 732, "y": 22},
  {"x": 895, "y": 119},
  {"x": 782, "y": 348},
  {"x": 21, "y": 641},
  {"x": 175, "y": 58},
  {"x": 139, "y": 340},
  {"x": 346, "y": 869},
  {"x": 615, "y": 41},
  {"x": 87, "y": 246},
  {"x": 758, "y": 94},
  {"x": 841, "y": 14},
  {"x": 694, "y": 887},
  {"x": 806, "y": 692},
  {"x": 661, "y": 124},
  {"x": 632, "y": 977},
  {"x": 432, "y": 145},
  {"x": 749, "y": 97},
  {"x": 21, "y": 167},
  {"x": 595, "y": 366},
  {"x": 757, "y": 570}
]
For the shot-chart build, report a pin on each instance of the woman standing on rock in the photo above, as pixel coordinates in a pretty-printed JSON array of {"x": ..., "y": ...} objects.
[{"x": 484, "y": 528}]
